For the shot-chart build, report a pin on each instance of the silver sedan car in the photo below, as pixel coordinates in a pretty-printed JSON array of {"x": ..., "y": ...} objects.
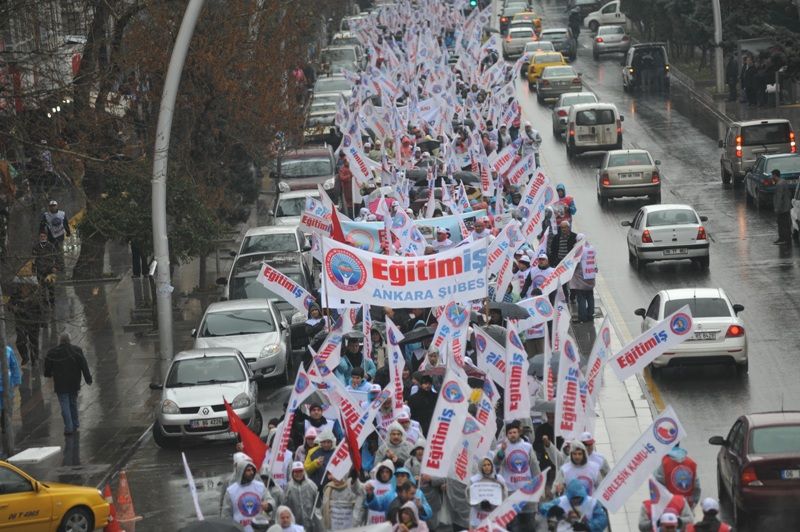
[
  {"x": 610, "y": 40},
  {"x": 516, "y": 40},
  {"x": 627, "y": 173},
  {"x": 561, "y": 108},
  {"x": 557, "y": 80}
]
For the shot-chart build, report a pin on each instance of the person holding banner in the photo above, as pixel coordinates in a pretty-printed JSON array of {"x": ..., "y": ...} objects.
[
  {"x": 676, "y": 505},
  {"x": 578, "y": 467},
  {"x": 395, "y": 448},
  {"x": 247, "y": 497},
  {"x": 317, "y": 458},
  {"x": 518, "y": 465},
  {"x": 300, "y": 497},
  {"x": 485, "y": 492},
  {"x": 342, "y": 503},
  {"x": 442, "y": 241},
  {"x": 582, "y": 283},
  {"x": 344, "y": 178},
  {"x": 598, "y": 459},
  {"x": 711, "y": 521},
  {"x": 353, "y": 357},
  {"x": 580, "y": 510},
  {"x": 430, "y": 487}
]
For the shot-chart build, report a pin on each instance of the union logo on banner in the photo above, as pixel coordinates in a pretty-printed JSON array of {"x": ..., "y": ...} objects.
[
  {"x": 345, "y": 270},
  {"x": 665, "y": 430},
  {"x": 680, "y": 323},
  {"x": 451, "y": 392}
]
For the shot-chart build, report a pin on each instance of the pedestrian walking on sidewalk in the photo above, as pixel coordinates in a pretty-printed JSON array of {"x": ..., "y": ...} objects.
[
  {"x": 782, "y": 203},
  {"x": 45, "y": 264},
  {"x": 66, "y": 364},
  {"x": 56, "y": 224},
  {"x": 732, "y": 76},
  {"x": 28, "y": 310}
]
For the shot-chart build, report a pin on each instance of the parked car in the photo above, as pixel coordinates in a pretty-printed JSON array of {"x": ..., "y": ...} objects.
[
  {"x": 610, "y": 40},
  {"x": 338, "y": 85},
  {"x": 252, "y": 327},
  {"x": 610, "y": 13},
  {"x": 557, "y": 80},
  {"x": 628, "y": 173},
  {"x": 198, "y": 382},
  {"x": 646, "y": 66},
  {"x": 273, "y": 239},
  {"x": 758, "y": 185},
  {"x": 531, "y": 48},
  {"x": 342, "y": 38},
  {"x": 516, "y": 39},
  {"x": 540, "y": 61},
  {"x": 562, "y": 40},
  {"x": 758, "y": 468},
  {"x": 28, "y": 504},
  {"x": 719, "y": 334},
  {"x": 745, "y": 141},
  {"x": 593, "y": 127},
  {"x": 304, "y": 169},
  {"x": 667, "y": 232},
  {"x": 347, "y": 23},
  {"x": 333, "y": 59},
  {"x": 529, "y": 16},
  {"x": 561, "y": 108},
  {"x": 507, "y": 14},
  {"x": 242, "y": 282},
  {"x": 320, "y": 128},
  {"x": 289, "y": 206}
]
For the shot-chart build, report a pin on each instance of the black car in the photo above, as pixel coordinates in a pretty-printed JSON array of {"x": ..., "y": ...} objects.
[{"x": 646, "y": 66}]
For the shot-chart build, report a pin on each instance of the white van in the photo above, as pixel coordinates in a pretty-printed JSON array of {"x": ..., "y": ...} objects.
[{"x": 593, "y": 127}]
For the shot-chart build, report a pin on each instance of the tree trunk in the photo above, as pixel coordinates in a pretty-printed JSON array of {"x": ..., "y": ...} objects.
[{"x": 91, "y": 261}]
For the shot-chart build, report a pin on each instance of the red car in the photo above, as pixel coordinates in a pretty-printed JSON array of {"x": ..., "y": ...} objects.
[{"x": 758, "y": 467}]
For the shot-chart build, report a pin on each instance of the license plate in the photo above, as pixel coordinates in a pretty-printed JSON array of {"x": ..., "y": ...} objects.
[
  {"x": 585, "y": 137},
  {"x": 676, "y": 251},
  {"x": 206, "y": 423},
  {"x": 633, "y": 175},
  {"x": 790, "y": 474},
  {"x": 705, "y": 335}
]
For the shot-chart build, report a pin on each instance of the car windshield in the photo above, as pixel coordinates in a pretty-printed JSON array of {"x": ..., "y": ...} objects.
[
  {"x": 701, "y": 307},
  {"x": 345, "y": 40},
  {"x": 205, "y": 370},
  {"x": 306, "y": 167},
  {"x": 783, "y": 439},
  {"x": 320, "y": 120},
  {"x": 575, "y": 99},
  {"x": 520, "y": 33},
  {"x": 628, "y": 159},
  {"x": 539, "y": 45},
  {"x": 560, "y": 71},
  {"x": 244, "y": 285},
  {"x": 765, "y": 134},
  {"x": 547, "y": 58},
  {"x": 671, "y": 217},
  {"x": 331, "y": 85},
  {"x": 291, "y": 207},
  {"x": 270, "y": 243},
  {"x": 339, "y": 55},
  {"x": 610, "y": 30},
  {"x": 787, "y": 165},
  {"x": 238, "y": 322},
  {"x": 554, "y": 35},
  {"x": 594, "y": 117}
]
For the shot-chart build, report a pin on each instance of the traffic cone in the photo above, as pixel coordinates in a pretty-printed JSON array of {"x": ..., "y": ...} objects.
[
  {"x": 113, "y": 524},
  {"x": 127, "y": 515}
]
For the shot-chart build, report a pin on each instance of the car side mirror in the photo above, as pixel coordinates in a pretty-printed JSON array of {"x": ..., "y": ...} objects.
[
  {"x": 718, "y": 440},
  {"x": 621, "y": 118},
  {"x": 193, "y": 333},
  {"x": 271, "y": 212},
  {"x": 737, "y": 308},
  {"x": 232, "y": 254},
  {"x": 284, "y": 325},
  {"x": 156, "y": 386},
  {"x": 720, "y": 143},
  {"x": 640, "y": 312},
  {"x": 625, "y": 223},
  {"x": 306, "y": 248},
  {"x": 658, "y": 163},
  {"x": 221, "y": 281},
  {"x": 704, "y": 218}
]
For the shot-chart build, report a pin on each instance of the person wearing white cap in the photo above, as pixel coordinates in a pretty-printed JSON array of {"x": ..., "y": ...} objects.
[
  {"x": 309, "y": 441},
  {"x": 442, "y": 240},
  {"x": 531, "y": 140},
  {"x": 55, "y": 223},
  {"x": 594, "y": 457},
  {"x": 711, "y": 521},
  {"x": 669, "y": 522},
  {"x": 300, "y": 497},
  {"x": 537, "y": 275},
  {"x": 480, "y": 229},
  {"x": 412, "y": 428},
  {"x": 582, "y": 283}
]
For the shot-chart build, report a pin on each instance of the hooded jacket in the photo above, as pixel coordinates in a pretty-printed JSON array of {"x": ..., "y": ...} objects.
[
  {"x": 389, "y": 503},
  {"x": 479, "y": 510},
  {"x": 590, "y": 511},
  {"x": 315, "y": 471},
  {"x": 586, "y": 471},
  {"x": 431, "y": 487},
  {"x": 66, "y": 364},
  {"x": 680, "y": 456},
  {"x": 419, "y": 524},
  {"x": 401, "y": 451},
  {"x": 243, "y": 501},
  {"x": 300, "y": 498},
  {"x": 342, "y": 498},
  {"x": 293, "y": 527}
]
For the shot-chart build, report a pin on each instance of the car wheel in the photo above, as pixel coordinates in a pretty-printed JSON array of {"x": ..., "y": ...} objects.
[
  {"x": 595, "y": 55},
  {"x": 726, "y": 176},
  {"x": 539, "y": 98},
  {"x": 163, "y": 441},
  {"x": 602, "y": 200},
  {"x": 638, "y": 263},
  {"x": 795, "y": 235},
  {"x": 631, "y": 257},
  {"x": 722, "y": 493},
  {"x": 258, "y": 424},
  {"x": 654, "y": 198},
  {"x": 748, "y": 198},
  {"x": 704, "y": 262},
  {"x": 743, "y": 369},
  {"x": 77, "y": 519},
  {"x": 570, "y": 150},
  {"x": 757, "y": 198},
  {"x": 593, "y": 25},
  {"x": 742, "y": 518}
]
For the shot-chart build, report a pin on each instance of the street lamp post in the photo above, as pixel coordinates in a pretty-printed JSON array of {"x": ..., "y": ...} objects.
[
  {"x": 160, "y": 161},
  {"x": 718, "y": 56}
]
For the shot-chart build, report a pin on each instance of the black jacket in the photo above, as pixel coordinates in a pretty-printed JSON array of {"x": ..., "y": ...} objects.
[
  {"x": 45, "y": 258},
  {"x": 65, "y": 363},
  {"x": 422, "y": 405},
  {"x": 552, "y": 247}
]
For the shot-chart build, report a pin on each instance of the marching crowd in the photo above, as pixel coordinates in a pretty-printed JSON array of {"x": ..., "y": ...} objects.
[{"x": 440, "y": 116}]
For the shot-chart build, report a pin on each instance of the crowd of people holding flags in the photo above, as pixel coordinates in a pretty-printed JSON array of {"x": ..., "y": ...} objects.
[{"x": 442, "y": 388}]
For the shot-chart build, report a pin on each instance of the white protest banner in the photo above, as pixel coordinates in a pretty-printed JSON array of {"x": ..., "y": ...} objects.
[
  {"x": 643, "y": 457},
  {"x": 562, "y": 273},
  {"x": 192, "y": 488},
  {"x": 311, "y": 223},
  {"x": 396, "y": 364},
  {"x": 486, "y": 416},
  {"x": 664, "y": 335},
  {"x": 504, "y": 277},
  {"x": 562, "y": 320},
  {"x": 517, "y": 403},
  {"x": 501, "y": 516},
  {"x": 465, "y": 452},
  {"x": 491, "y": 355},
  {"x": 533, "y": 194},
  {"x": 539, "y": 309},
  {"x": 569, "y": 409},
  {"x": 505, "y": 244},
  {"x": 524, "y": 167},
  {"x": 660, "y": 498},
  {"x": 502, "y": 160},
  {"x": 450, "y": 320},
  {"x": 285, "y": 288},
  {"x": 446, "y": 424},
  {"x": 406, "y": 231},
  {"x": 601, "y": 350},
  {"x": 330, "y": 350},
  {"x": 548, "y": 379},
  {"x": 404, "y": 282},
  {"x": 366, "y": 330},
  {"x": 300, "y": 391}
]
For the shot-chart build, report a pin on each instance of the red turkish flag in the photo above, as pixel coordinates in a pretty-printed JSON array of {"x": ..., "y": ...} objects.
[{"x": 253, "y": 446}]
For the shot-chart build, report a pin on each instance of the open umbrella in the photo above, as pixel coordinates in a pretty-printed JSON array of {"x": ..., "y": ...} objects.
[
  {"x": 536, "y": 363},
  {"x": 497, "y": 333},
  {"x": 439, "y": 371},
  {"x": 418, "y": 334},
  {"x": 212, "y": 525},
  {"x": 428, "y": 145},
  {"x": 509, "y": 310}
]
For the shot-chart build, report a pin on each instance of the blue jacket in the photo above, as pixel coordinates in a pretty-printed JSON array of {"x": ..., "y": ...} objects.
[
  {"x": 597, "y": 522},
  {"x": 345, "y": 367},
  {"x": 381, "y": 503},
  {"x": 14, "y": 373}
]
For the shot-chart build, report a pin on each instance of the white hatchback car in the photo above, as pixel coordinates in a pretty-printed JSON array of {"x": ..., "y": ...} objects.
[
  {"x": 667, "y": 232},
  {"x": 719, "y": 333}
]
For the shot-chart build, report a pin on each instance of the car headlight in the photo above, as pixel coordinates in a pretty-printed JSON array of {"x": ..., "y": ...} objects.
[
  {"x": 284, "y": 187},
  {"x": 241, "y": 401},
  {"x": 328, "y": 184},
  {"x": 269, "y": 350},
  {"x": 169, "y": 407}
]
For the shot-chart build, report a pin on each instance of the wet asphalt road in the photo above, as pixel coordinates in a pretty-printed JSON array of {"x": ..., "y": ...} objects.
[{"x": 744, "y": 262}]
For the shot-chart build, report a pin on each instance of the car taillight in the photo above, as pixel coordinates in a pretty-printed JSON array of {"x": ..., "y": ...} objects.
[
  {"x": 646, "y": 238},
  {"x": 545, "y": 83},
  {"x": 626, "y": 38},
  {"x": 604, "y": 180},
  {"x": 576, "y": 81},
  {"x": 739, "y": 146},
  {"x": 701, "y": 233},
  {"x": 766, "y": 181},
  {"x": 630, "y": 69},
  {"x": 503, "y": 19},
  {"x": 572, "y": 130},
  {"x": 655, "y": 178},
  {"x": 666, "y": 67},
  {"x": 562, "y": 112},
  {"x": 508, "y": 39},
  {"x": 792, "y": 144},
  {"x": 749, "y": 477},
  {"x": 619, "y": 126},
  {"x": 599, "y": 39},
  {"x": 734, "y": 331}
]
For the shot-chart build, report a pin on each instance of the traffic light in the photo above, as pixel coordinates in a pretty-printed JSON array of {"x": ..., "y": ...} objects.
[{"x": 473, "y": 3}]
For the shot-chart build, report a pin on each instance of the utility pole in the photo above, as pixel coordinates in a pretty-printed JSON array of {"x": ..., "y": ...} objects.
[
  {"x": 160, "y": 162},
  {"x": 719, "y": 65},
  {"x": 8, "y": 393}
]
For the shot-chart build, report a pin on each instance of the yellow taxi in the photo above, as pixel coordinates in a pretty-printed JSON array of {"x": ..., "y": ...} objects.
[
  {"x": 28, "y": 505},
  {"x": 529, "y": 16},
  {"x": 540, "y": 60}
]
